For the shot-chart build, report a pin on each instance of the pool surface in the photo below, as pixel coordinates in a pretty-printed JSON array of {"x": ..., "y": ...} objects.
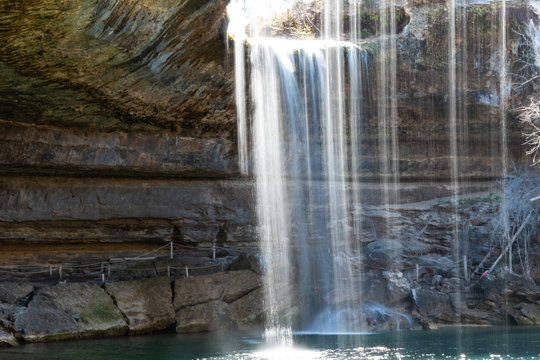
[{"x": 447, "y": 343}]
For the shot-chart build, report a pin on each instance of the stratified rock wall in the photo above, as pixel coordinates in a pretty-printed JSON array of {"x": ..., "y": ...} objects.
[
  {"x": 71, "y": 210},
  {"x": 95, "y": 92}
]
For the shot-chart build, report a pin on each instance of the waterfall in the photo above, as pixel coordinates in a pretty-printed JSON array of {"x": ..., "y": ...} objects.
[
  {"x": 534, "y": 30},
  {"x": 309, "y": 100},
  {"x": 306, "y": 134},
  {"x": 304, "y": 191},
  {"x": 452, "y": 117},
  {"x": 240, "y": 92},
  {"x": 504, "y": 92}
]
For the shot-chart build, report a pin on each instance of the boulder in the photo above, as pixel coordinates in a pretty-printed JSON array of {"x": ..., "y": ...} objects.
[
  {"x": 218, "y": 301},
  {"x": 15, "y": 292},
  {"x": 383, "y": 252},
  {"x": 7, "y": 339},
  {"x": 526, "y": 314},
  {"x": 250, "y": 261},
  {"x": 146, "y": 303},
  {"x": 209, "y": 316},
  {"x": 8, "y": 314},
  {"x": 398, "y": 288},
  {"x": 375, "y": 288},
  {"x": 248, "y": 311},
  {"x": 381, "y": 318},
  {"x": 436, "y": 263},
  {"x": 226, "y": 286},
  {"x": 70, "y": 311},
  {"x": 434, "y": 305}
]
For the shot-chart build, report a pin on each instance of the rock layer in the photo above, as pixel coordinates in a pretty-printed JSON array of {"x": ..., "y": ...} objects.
[{"x": 82, "y": 151}]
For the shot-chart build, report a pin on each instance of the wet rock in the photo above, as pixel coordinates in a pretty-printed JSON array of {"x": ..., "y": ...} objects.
[
  {"x": 375, "y": 288},
  {"x": 477, "y": 317},
  {"x": 70, "y": 311},
  {"x": 434, "y": 263},
  {"x": 146, "y": 303},
  {"x": 209, "y": 316},
  {"x": 452, "y": 284},
  {"x": 383, "y": 318},
  {"x": 227, "y": 286},
  {"x": 15, "y": 292}
]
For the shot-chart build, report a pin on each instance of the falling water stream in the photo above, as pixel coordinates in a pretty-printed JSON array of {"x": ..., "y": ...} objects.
[
  {"x": 303, "y": 183},
  {"x": 308, "y": 98}
]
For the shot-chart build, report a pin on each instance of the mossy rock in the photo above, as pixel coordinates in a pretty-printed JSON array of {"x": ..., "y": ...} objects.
[{"x": 69, "y": 311}]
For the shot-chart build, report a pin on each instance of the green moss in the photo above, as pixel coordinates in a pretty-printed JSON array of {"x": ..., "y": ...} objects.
[{"x": 102, "y": 313}]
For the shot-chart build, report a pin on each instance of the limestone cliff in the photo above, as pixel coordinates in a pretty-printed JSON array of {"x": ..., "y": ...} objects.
[{"x": 117, "y": 119}]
